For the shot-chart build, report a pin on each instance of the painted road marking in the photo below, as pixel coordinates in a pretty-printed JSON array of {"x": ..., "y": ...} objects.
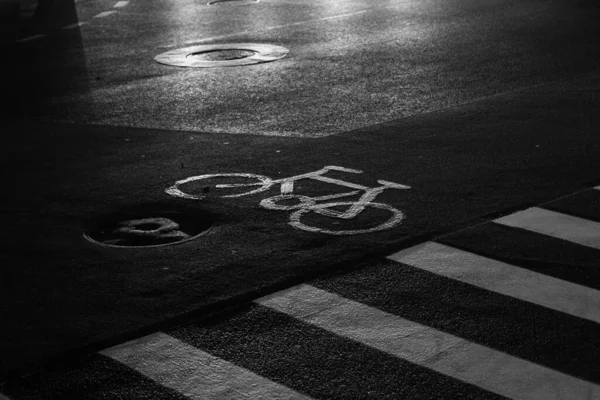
[
  {"x": 450, "y": 355},
  {"x": 319, "y": 19},
  {"x": 194, "y": 373},
  {"x": 199, "y": 40},
  {"x": 74, "y": 25},
  {"x": 551, "y": 223},
  {"x": 104, "y": 14},
  {"x": 30, "y": 38},
  {"x": 502, "y": 278},
  {"x": 306, "y": 204}
]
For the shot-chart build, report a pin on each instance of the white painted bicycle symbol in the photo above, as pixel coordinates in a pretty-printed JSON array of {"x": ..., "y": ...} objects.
[{"x": 260, "y": 183}]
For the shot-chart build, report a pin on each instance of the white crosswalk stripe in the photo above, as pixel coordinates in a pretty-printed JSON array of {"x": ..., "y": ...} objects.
[
  {"x": 567, "y": 227},
  {"x": 194, "y": 373},
  {"x": 450, "y": 355},
  {"x": 506, "y": 279}
]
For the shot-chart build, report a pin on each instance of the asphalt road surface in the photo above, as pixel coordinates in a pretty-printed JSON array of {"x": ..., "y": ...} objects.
[
  {"x": 386, "y": 126},
  {"x": 506, "y": 309}
]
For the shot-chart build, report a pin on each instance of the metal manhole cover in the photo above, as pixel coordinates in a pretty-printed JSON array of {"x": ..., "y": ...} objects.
[
  {"x": 233, "y": 2},
  {"x": 156, "y": 229},
  {"x": 222, "y": 55}
]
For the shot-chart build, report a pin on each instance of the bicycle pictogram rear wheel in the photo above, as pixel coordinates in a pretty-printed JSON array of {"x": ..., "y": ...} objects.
[
  {"x": 323, "y": 209},
  {"x": 225, "y": 185}
]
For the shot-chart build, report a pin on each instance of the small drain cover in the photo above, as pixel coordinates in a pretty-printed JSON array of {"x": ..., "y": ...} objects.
[
  {"x": 222, "y": 55},
  {"x": 233, "y": 2},
  {"x": 122, "y": 230}
]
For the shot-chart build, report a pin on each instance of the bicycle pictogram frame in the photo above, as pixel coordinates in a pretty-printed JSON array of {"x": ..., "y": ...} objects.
[{"x": 307, "y": 204}]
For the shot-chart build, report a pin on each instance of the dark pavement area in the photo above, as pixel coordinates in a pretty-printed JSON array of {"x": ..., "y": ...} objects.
[
  {"x": 65, "y": 291},
  {"x": 481, "y": 108},
  {"x": 494, "y": 337}
]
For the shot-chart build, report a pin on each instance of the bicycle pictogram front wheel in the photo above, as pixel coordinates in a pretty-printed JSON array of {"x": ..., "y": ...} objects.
[
  {"x": 394, "y": 219},
  {"x": 224, "y": 185}
]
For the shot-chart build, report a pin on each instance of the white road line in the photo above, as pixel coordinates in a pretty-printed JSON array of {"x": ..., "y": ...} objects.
[
  {"x": 74, "y": 25},
  {"x": 505, "y": 279},
  {"x": 194, "y": 373},
  {"x": 597, "y": 188},
  {"x": 120, "y": 4},
  {"x": 104, "y": 14},
  {"x": 319, "y": 19},
  {"x": 450, "y": 355},
  {"x": 562, "y": 226},
  {"x": 309, "y": 21},
  {"x": 30, "y": 38}
]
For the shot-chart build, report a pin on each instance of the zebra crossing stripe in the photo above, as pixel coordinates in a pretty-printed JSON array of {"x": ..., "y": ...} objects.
[
  {"x": 450, "y": 355},
  {"x": 551, "y": 223},
  {"x": 194, "y": 373},
  {"x": 505, "y": 279}
]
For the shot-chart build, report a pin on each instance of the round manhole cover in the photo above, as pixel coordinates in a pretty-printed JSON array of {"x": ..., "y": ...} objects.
[
  {"x": 222, "y": 55},
  {"x": 233, "y": 2},
  {"x": 155, "y": 229}
]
